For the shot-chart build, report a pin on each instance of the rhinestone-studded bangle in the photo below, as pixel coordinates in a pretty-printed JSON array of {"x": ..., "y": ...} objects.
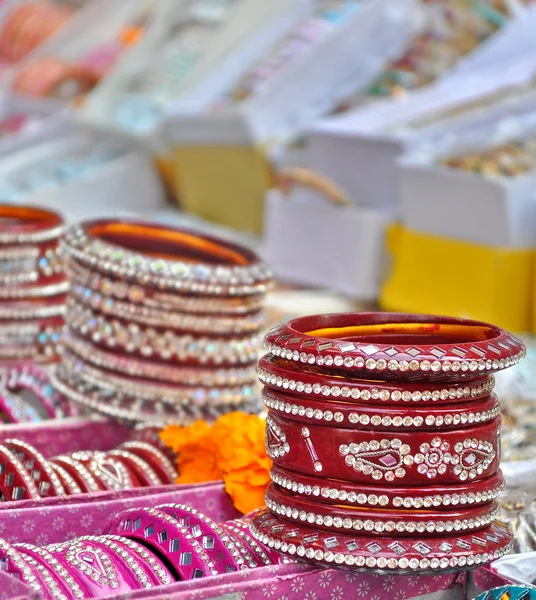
[
  {"x": 348, "y": 414},
  {"x": 407, "y": 458},
  {"x": 276, "y": 374},
  {"x": 105, "y": 246},
  {"x": 27, "y": 225},
  {"x": 434, "y": 496},
  {"x": 373, "y": 522},
  {"x": 400, "y": 345},
  {"x": 434, "y": 555}
]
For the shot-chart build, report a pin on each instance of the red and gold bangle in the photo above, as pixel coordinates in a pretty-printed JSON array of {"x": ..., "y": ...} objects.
[
  {"x": 166, "y": 258},
  {"x": 360, "y": 455},
  {"x": 386, "y": 418},
  {"x": 370, "y": 521},
  {"x": 280, "y": 375},
  {"x": 45, "y": 77},
  {"x": 333, "y": 491},
  {"x": 28, "y": 225},
  {"x": 394, "y": 345},
  {"x": 401, "y": 556}
]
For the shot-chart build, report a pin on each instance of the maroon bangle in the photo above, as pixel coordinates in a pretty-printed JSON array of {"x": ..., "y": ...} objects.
[
  {"x": 397, "y": 345},
  {"x": 278, "y": 374},
  {"x": 333, "y": 491},
  {"x": 349, "y": 414},
  {"x": 369, "y": 521},
  {"x": 28, "y": 225},
  {"x": 364, "y": 456},
  {"x": 386, "y": 554}
]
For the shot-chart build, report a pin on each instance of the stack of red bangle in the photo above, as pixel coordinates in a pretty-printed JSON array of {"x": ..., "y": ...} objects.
[
  {"x": 33, "y": 285},
  {"x": 163, "y": 324},
  {"x": 385, "y": 437}
]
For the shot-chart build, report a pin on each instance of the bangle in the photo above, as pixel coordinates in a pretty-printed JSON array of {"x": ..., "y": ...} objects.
[
  {"x": 216, "y": 541},
  {"x": 164, "y": 344},
  {"x": 90, "y": 284},
  {"x": 277, "y": 374},
  {"x": 434, "y": 555},
  {"x": 47, "y": 582},
  {"x": 434, "y": 496},
  {"x": 341, "y": 518},
  {"x": 187, "y": 556},
  {"x": 69, "y": 483},
  {"x": 34, "y": 291},
  {"x": 30, "y": 311},
  {"x": 393, "y": 345},
  {"x": 124, "y": 364},
  {"x": 28, "y": 225},
  {"x": 81, "y": 303},
  {"x": 151, "y": 563},
  {"x": 142, "y": 470},
  {"x": 156, "y": 458},
  {"x": 435, "y": 418},
  {"x": 415, "y": 458},
  {"x": 118, "y": 248},
  {"x": 79, "y": 472},
  {"x": 207, "y": 403},
  {"x": 38, "y": 468},
  {"x": 14, "y": 563},
  {"x": 15, "y": 481}
]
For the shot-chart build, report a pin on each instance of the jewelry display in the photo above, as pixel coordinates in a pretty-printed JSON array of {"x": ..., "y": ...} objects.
[
  {"x": 162, "y": 324},
  {"x": 26, "y": 474},
  {"x": 142, "y": 548},
  {"x": 384, "y": 433},
  {"x": 33, "y": 284}
]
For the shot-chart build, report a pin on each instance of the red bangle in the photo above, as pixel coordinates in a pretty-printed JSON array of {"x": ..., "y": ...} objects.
[
  {"x": 29, "y": 225},
  {"x": 363, "y": 456},
  {"x": 422, "y": 556},
  {"x": 277, "y": 374},
  {"x": 167, "y": 259},
  {"x": 393, "y": 345},
  {"x": 432, "y": 418},
  {"x": 371, "y": 521},
  {"x": 332, "y": 491}
]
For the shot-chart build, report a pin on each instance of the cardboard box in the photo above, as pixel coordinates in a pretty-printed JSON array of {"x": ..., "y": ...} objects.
[
  {"x": 311, "y": 241},
  {"x": 359, "y": 149},
  {"x": 244, "y": 138}
]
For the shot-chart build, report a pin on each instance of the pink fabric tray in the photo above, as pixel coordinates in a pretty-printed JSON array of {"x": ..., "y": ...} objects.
[{"x": 58, "y": 436}]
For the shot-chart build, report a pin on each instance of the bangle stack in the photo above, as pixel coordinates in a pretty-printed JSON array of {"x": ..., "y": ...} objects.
[
  {"x": 142, "y": 548},
  {"x": 26, "y": 474},
  {"x": 385, "y": 437},
  {"x": 33, "y": 285},
  {"x": 162, "y": 324}
]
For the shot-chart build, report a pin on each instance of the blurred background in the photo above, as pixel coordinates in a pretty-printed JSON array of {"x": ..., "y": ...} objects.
[{"x": 379, "y": 152}]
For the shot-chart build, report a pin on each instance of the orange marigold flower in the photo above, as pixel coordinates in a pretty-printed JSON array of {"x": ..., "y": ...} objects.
[{"x": 233, "y": 449}]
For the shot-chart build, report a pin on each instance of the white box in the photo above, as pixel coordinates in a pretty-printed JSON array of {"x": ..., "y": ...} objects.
[
  {"x": 125, "y": 185},
  {"x": 311, "y": 241},
  {"x": 494, "y": 211},
  {"x": 336, "y": 67},
  {"x": 358, "y": 149}
]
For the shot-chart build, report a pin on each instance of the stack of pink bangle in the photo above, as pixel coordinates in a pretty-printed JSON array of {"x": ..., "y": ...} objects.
[
  {"x": 33, "y": 285},
  {"x": 385, "y": 437},
  {"x": 142, "y": 548}
]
